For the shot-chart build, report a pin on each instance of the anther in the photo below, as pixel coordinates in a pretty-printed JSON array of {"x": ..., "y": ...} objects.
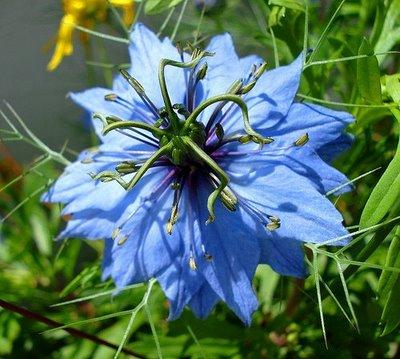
[
  {"x": 91, "y": 152},
  {"x": 302, "y": 140},
  {"x": 139, "y": 90},
  {"x": 133, "y": 82},
  {"x": 175, "y": 186},
  {"x": 192, "y": 263},
  {"x": 179, "y": 46},
  {"x": 228, "y": 199},
  {"x": 115, "y": 233},
  {"x": 207, "y": 256},
  {"x": 260, "y": 70},
  {"x": 122, "y": 240},
  {"x": 127, "y": 167},
  {"x": 201, "y": 74},
  {"x": 173, "y": 218},
  {"x": 274, "y": 224},
  {"x": 236, "y": 87},
  {"x": 111, "y": 97},
  {"x": 181, "y": 109},
  {"x": 245, "y": 139},
  {"x": 104, "y": 176},
  {"x": 87, "y": 160}
]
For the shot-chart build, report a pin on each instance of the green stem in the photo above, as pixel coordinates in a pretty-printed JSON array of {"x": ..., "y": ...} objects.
[
  {"x": 222, "y": 176},
  {"x": 226, "y": 97},
  {"x": 163, "y": 83},
  {"x": 147, "y": 165},
  {"x": 135, "y": 124}
]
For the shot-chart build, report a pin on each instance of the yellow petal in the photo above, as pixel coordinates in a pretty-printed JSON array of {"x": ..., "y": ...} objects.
[
  {"x": 128, "y": 8},
  {"x": 64, "y": 46}
]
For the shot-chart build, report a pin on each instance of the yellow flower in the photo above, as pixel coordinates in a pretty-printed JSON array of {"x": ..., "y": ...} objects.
[{"x": 84, "y": 13}]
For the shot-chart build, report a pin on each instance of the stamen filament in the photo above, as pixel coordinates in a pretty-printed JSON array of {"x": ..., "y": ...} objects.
[
  {"x": 234, "y": 88},
  {"x": 140, "y": 91}
]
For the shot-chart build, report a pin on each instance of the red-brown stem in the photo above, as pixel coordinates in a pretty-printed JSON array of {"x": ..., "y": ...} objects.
[{"x": 74, "y": 332}]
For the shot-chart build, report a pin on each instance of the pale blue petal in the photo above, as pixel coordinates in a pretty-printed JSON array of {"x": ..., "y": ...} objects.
[
  {"x": 93, "y": 101},
  {"x": 270, "y": 100},
  {"x": 178, "y": 280},
  {"x": 235, "y": 258},
  {"x": 204, "y": 301},
  {"x": 332, "y": 149},
  {"x": 275, "y": 189},
  {"x": 148, "y": 249},
  {"x": 107, "y": 259},
  {"x": 306, "y": 162},
  {"x": 146, "y": 50},
  {"x": 284, "y": 255},
  {"x": 323, "y": 125}
]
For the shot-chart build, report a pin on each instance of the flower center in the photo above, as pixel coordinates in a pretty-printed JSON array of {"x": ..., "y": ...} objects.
[{"x": 178, "y": 136}]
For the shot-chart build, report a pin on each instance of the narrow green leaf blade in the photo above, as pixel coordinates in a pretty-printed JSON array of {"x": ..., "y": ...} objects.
[
  {"x": 388, "y": 278},
  {"x": 385, "y": 193},
  {"x": 368, "y": 74},
  {"x": 391, "y": 313}
]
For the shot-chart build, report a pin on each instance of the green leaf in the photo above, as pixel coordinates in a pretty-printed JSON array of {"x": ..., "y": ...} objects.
[
  {"x": 153, "y": 7},
  {"x": 297, "y": 5},
  {"x": 391, "y": 313},
  {"x": 385, "y": 194},
  {"x": 388, "y": 278},
  {"x": 390, "y": 33},
  {"x": 393, "y": 87},
  {"x": 40, "y": 230},
  {"x": 368, "y": 74},
  {"x": 81, "y": 280}
]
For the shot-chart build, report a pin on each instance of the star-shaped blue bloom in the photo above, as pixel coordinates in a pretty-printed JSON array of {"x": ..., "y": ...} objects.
[{"x": 180, "y": 167}]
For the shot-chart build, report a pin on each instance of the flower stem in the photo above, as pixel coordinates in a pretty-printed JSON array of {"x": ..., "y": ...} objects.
[{"x": 74, "y": 332}]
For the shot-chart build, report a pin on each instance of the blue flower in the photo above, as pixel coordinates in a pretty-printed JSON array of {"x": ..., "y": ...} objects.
[{"x": 186, "y": 188}]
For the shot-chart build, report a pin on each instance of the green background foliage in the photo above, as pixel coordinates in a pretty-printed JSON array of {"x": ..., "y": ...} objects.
[{"x": 351, "y": 299}]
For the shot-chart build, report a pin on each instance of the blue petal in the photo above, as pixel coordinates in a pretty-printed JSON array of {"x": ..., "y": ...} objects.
[
  {"x": 275, "y": 189},
  {"x": 179, "y": 283},
  {"x": 147, "y": 249},
  {"x": 235, "y": 258},
  {"x": 90, "y": 224},
  {"x": 284, "y": 255},
  {"x": 332, "y": 149},
  {"x": 77, "y": 185},
  {"x": 203, "y": 302},
  {"x": 178, "y": 280},
  {"x": 306, "y": 162},
  {"x": 146, "y": 50},
  {"x": 223, "y": 70},
  {"x": 107, "y": 259},
  {"x": 322, "y": 124},
  {"x": 270, "y": 100},
  {"x": 92, "y": 101}
]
